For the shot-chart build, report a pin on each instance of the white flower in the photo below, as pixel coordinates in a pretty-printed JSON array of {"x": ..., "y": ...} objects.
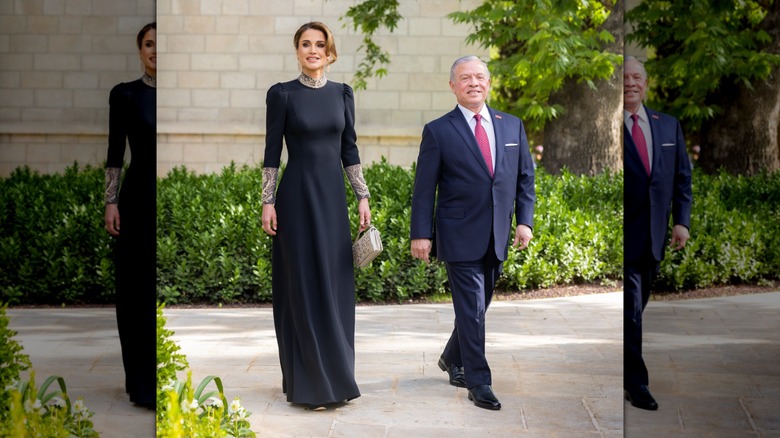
[
  {"x": 32, "y": 406},
  {"x": 168, "y": 386},
  {"x": 214, "y": 402},
  {"x": 187, "y": 406},
  {"x": 235, "y": 406},
  {"x": 12, "y": 385},
  {"x": 58, "y": 402},
  {"x": 79, "y": 407}
]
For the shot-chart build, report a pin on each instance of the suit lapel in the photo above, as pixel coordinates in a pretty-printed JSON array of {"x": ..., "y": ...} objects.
[
  {"x": 498, "y": 130},
  {"x": 654, "y": 120},
  {"x": 463, "y": 129}
]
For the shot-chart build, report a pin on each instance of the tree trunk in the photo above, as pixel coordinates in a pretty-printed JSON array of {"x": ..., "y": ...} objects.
[
  {"x": 743, "y": 139},
  {"x": 587, "y": 138}
]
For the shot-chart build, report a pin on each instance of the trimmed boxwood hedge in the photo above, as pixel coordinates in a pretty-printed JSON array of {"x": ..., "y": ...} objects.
[{"x": 211, "y": 247}]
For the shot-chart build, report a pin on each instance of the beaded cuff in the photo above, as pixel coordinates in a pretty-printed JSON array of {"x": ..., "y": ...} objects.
[
  {"x": 113, "y": 174},
  {"x": 270, "y": 174},
  {"x": 358, "y": 182}
]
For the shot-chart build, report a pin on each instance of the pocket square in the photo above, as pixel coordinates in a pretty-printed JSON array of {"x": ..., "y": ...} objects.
[
  {"x": 509, "y": 145},
  {"x": 667, "y": 144}
]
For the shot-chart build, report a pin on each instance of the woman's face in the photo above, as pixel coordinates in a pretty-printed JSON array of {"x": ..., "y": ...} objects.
[
  {"x": 311, "y": 52},
  {"x": 149, "y": 52}
]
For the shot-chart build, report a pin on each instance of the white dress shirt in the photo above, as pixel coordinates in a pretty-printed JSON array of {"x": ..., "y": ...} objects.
[{"x": 487, "y": 123}]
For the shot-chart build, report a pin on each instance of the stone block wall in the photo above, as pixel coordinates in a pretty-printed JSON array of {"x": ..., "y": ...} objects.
[
  {"x": 217, "y": 59},
  {"x": 59, "y": 60}
]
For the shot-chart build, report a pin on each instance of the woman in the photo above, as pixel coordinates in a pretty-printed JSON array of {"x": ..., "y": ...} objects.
[
  {"x": 132, "y": 118},
  {"x": 313, "y": 274}
]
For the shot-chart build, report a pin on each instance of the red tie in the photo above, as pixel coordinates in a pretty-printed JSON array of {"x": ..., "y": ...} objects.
[
  {"x": 639, "y": 141},
  {"x": 484, "y": 143}
]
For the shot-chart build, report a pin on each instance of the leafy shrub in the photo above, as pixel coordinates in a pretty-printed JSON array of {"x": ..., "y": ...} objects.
[
  {"x": 40, "y": 412},
  {"x": 53, "y": 248},
  {"x": 210, "y": 242},
  {"x": 29, "y": 411},
  {"x": 186, "y": 411},
  {"x": 12, "y": 362},
  {"x": 211, "y": 247},
  {"x": 735, "y": 234}
]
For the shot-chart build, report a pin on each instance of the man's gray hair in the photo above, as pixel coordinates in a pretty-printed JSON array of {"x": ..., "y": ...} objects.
[
  {"x": 641, "y": 64},
  {"x": 463, "y": 59}
]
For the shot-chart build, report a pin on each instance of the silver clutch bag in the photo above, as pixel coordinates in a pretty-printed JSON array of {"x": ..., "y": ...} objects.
[{"x": 366, "y": 247}]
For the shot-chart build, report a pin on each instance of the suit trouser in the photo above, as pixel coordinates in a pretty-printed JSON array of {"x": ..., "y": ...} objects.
[
  {"x": 637, "y": 280},
  {"x": 472, "y": 290}
]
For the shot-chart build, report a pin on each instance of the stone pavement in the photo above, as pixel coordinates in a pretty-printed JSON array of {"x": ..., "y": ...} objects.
[
  {"x": 557, "y": 370},
  {"x": 557, "y": 366},
  {"x": 714, "y": 368},
  {"x": 82, "y": 346}
]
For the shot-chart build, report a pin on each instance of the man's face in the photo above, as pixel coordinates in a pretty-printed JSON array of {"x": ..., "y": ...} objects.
[
  {"x": 471, "y": 84},
  {"x": 634, "y": 85}
]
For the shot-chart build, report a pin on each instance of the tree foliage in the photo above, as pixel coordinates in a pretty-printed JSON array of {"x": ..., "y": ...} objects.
[
  {"x": 368, "y": 17},
  {"x": 700, "y": 47},
  {"x": 536, "y": 46}
]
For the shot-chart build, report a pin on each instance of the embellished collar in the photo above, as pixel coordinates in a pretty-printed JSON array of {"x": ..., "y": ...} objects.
[
  {"x": 149, "y": 80},
  {"x": 311, "y": 82}
]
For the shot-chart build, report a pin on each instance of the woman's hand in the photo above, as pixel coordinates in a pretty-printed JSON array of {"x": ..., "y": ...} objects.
[
  {"x": 269, "y": 219},
  {"x": 365, "y": 214},
  {"x": 112, "y": 219}
]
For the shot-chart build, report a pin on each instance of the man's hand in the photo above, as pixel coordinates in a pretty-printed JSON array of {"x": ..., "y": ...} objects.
[
  {"x": 680, "y": 235},
  {"x": 523, "y": 236},
  {"x": 421, "y": 248}
]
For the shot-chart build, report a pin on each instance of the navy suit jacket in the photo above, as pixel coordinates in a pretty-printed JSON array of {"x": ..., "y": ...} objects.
[
  {"x": 649, "y": 201},
  {"x": 456, "y": 202}
]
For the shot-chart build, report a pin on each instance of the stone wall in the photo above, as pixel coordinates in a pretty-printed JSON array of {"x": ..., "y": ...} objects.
[
  {"x": 59, "y": 60},
  {"x": 218, "y": 59}
]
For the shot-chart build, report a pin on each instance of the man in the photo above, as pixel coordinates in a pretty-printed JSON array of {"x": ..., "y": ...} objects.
[
  {"x": 479, "y": 161},
  {"x": 657, "y": 185}
]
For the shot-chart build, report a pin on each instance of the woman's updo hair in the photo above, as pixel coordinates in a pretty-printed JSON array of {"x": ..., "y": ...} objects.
[
  {"x": 330, "y": 44},
  {"x": 140, "y": 38}
]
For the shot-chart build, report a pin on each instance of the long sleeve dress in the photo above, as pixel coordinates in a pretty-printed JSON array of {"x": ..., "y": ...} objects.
[
  {"x": 133, "y": 120},
  {"x": 313, "y": 274}
]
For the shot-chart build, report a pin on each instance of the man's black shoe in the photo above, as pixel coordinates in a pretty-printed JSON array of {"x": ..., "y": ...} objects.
[
  {"x": 482, "y": 396},
  {"x": 457, "y": 377},
  {"x": 640, "y": 397}
]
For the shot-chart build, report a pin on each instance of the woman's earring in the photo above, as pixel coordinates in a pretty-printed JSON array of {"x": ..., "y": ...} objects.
[{"x": 300, "y": 68}]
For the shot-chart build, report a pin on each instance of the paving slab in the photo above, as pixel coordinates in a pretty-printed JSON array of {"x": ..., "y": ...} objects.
[
  {"x": 714, "y": 367},
  {"x": 557, "y": 369},
  {"x": 82, "y": 346},
  {"x": 557, "y": 366}
]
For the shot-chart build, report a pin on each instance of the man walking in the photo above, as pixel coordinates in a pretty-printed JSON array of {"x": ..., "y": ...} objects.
[
  {"x": 657, "y": 185},
  {"x": 474, "y": 173}
]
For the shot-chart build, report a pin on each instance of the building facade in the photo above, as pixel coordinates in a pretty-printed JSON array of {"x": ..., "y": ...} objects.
[{"x": 216, "y": 60}]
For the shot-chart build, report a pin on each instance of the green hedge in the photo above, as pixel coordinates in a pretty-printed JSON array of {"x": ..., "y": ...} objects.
[
  {"x": 211, "y": 247},
  {"x": 53, "y": 248},
  {"x": 735, "y": 234}
]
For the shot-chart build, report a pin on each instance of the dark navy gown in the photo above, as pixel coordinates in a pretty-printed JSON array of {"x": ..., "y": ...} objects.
[
  {"x": 133, "y": 121},
  {"x": 313, "y": 274}
]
